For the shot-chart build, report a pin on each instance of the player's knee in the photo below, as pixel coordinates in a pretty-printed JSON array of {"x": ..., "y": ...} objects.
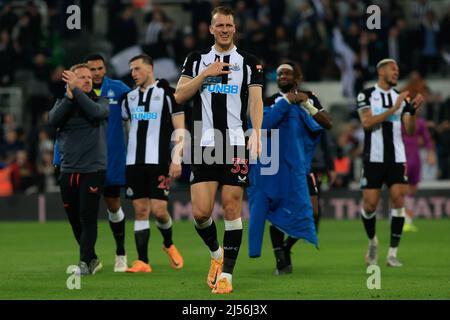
[
  {"x": 231, "y": 210},
  {"x": 113, "y": 204},
  {"x": 398, "y": 201},
  {"x": 159, "y": 211},
  {"x": 370, "y": 207},
  {"x": 141, "y": 213},
  {"x": 201, "y": 219},
  {"x": 201, "y": 213}
]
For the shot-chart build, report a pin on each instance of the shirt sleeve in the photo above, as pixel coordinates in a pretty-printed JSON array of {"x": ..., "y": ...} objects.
[
  {"x": 126, "y": 115},
  {"x": 363, "y": 100},
  {"x": 256, "y": 76},
  {"x": 188, "y": 65},
  {"x": 316, "y": 103},
  {"x": 174, "y": 107}
]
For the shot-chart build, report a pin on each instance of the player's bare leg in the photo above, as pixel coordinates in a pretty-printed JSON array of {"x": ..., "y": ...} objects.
[
  {"x": 164, "y": 223},
  {"x": 203, "y": 196},
  {"x": 397, "y": 194},
  {"x": 371, "y": 197}
]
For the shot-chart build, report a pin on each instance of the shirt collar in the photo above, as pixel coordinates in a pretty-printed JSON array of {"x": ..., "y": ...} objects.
[
  {"x": 219, "y": 53},
  {"x": 382, "y": 90}
]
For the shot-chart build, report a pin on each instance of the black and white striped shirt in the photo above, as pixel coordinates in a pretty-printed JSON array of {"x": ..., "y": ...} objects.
[
  {"x": 383, "y": 143},
  {"x": 221, "y": 103},
  {"x": 151, "y": 127}
]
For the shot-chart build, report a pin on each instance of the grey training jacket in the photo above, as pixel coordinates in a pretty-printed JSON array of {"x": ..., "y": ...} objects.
[{"x": 82, "y": 124}]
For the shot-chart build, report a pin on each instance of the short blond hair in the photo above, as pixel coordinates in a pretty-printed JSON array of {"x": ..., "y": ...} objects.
[{"x": 78, "y": 66}]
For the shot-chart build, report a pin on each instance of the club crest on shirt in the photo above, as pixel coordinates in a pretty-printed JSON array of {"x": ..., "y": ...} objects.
[
  {"x": 361, "y": 97},
  {"x": 111, "y": 93},
  {"x": 130, "y": 192},
  {"x": 235, "y": 67}
]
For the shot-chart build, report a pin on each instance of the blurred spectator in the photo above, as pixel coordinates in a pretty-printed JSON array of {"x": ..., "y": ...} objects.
[
  {"x": 428, "y": 43},
  {"x": 443, "y": 140},
  {"x": 46, "y": 173},
  {"x": 22, "y": 175},
  {"x": 57, "y": 86},
  {"x": 200, "y": 12},
  {"x": 11, "y": 145},
  {"x": 281, "y": 45},
  {"x": 444, "y": 30},
  {"x": 241, "y": 17},
  {"x": 8, "y": 18},
  {"x": 124, "y": 31},
  {"x": 155, "y": 28},
  {"x": 7, "y": 61},
  {"x": 6, "y": 187},
  {"x": 8, "y": 123},
  {"x": 419, "y": 11},
  {"x": 348, "y": 148},
  {"x": 204, "y": 38}
]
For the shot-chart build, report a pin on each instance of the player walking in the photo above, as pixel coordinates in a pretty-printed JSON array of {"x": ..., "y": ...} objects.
[{"x": 223, "y": 80}]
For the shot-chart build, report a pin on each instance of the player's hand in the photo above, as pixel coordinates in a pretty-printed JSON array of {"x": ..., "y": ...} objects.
[
  {"x": 69, "y": 92},
  {"x": 174, "y": 170},
  {"x": 291, "y": 96},
  {"x": 71, "y": 79},
  {"x": 254, "y": 144},
  {"x": 418, "y": 101},
  {"x": 302, "y": 97},
  {"x": 401, "y": 97},
  {"x": 216, "y": 69}
]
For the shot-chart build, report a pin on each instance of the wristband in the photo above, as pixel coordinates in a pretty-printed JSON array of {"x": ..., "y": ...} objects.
[{"x": 311, "y": 109}]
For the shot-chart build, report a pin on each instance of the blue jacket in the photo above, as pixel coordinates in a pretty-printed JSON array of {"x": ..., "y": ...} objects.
[
  {"x": 283, "y": 198},
  {"x": 114, "y": 90}
]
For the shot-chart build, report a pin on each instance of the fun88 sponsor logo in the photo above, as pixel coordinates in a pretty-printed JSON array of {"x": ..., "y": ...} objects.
[
  {"x": 223, "y": 88},
  {"x": 144, "y": 116}
]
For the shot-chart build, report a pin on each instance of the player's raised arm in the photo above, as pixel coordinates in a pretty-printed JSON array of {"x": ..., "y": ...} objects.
[
  {"x": 369, "y": 120},
  {"x": 315, "y": 109},
  {"x": 409, "y": 115}
]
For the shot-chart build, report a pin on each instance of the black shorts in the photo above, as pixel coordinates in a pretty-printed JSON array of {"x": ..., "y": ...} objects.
[
  {"x": 112, "y": 191},
  {"x": 147, "y": 181},
  {"x": 374, "y": 175},
  {"x": 234, "y": 172},
  {"x": 312, "y": 184}
]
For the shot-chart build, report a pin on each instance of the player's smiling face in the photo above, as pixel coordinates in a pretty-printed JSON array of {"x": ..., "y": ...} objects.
[
  {"x": 223, "y": 29},
  {"x": 98, "y": 71},
  {"x": 285, "y": 80}
]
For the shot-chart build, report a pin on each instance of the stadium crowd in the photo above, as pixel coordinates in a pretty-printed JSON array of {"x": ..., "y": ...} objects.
[{"x": 329, "y": 39}]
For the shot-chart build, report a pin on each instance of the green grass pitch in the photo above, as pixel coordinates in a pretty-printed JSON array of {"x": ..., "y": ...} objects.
[{"x": 35, "y": 257}]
